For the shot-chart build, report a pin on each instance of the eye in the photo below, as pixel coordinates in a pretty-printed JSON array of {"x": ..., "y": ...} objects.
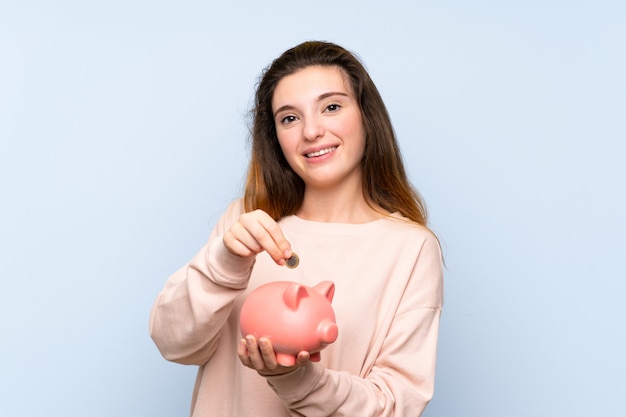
[
  {"x": 288, "y": 119},
  {"x": 333, "y": 107}
]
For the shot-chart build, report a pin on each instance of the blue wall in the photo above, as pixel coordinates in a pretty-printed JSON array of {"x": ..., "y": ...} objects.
[{"x": 122, "y": 138}]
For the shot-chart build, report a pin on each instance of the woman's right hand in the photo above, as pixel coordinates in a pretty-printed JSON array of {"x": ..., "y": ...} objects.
[{"x": 255, "y": 232}]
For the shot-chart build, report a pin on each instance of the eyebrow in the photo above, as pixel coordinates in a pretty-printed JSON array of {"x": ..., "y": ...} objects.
[{"x": 320, "y": 98}]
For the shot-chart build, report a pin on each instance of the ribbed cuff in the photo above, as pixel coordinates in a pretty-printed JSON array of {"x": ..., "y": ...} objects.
[{"x": 296, "y": 385}]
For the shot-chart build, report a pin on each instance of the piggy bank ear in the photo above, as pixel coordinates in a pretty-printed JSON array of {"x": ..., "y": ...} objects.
[
  {"x": 293, "y": 294},
  {"x": 327, "y": 289}
]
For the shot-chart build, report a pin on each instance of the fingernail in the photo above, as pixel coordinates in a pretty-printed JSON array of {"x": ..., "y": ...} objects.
[{"x": 263, "y": 343}]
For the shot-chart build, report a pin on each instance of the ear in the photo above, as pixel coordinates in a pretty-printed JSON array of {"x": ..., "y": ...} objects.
[
  {"x": 293, "y": 294},
  {"x": 327, "y": 289}
]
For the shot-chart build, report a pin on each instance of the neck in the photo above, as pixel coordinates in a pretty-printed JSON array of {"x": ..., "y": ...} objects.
[{"x": 337, "y": 206}]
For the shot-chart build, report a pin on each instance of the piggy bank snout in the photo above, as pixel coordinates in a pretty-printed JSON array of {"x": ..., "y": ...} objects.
[{"x": 327, "y": 331}]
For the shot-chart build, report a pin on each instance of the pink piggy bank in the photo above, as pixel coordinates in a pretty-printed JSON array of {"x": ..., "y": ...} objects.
[{"x": 293, "y": 316}]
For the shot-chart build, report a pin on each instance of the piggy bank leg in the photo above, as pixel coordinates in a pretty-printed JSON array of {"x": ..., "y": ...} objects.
[
  {"x": 285, "y": 359},
  {"x": 315, "y": 357}
]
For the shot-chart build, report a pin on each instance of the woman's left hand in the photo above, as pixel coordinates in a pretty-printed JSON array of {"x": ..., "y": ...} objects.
[{"x": 260, "y": 356}]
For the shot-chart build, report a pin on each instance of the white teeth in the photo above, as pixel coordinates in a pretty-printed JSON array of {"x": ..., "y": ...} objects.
[{"x": 320, "y": 153}]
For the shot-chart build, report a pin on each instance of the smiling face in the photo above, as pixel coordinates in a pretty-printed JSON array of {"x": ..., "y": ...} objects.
[{"x": 319, "y": 127}]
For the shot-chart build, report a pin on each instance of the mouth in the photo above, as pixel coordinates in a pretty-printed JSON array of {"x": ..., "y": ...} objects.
[{"x": 320, "y": 152}]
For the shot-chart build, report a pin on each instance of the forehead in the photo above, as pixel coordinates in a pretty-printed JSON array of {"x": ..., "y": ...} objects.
[{"x": 310, "y": 83}]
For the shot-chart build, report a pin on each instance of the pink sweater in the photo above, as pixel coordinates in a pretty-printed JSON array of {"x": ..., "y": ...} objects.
[{"x": 388, "y": 299}]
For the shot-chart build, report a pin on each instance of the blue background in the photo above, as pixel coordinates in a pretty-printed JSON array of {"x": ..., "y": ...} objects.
[{"x": 123, "y": 130}]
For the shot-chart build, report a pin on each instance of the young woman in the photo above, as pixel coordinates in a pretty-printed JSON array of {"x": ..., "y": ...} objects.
[{"x": 326, "y": 179}]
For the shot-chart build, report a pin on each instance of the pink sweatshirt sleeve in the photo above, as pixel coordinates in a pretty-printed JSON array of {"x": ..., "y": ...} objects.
[
  {"x": 190, "y": 311},
  {"x": 400, "y": 382}
]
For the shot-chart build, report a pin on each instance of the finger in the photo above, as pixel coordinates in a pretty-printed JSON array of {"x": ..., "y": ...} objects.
[
  {"x": 269, "y": 235},
  {"x": 242, "y": 352},
  {"x": 302, "y": 358},
  {"x": 256, "y": 360},
  {"x": 268, "y": 354},
  {"x": 240, "y": 242}
]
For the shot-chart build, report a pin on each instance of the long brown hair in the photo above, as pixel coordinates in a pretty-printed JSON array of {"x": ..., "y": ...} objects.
[{"x": 274, "y": 187}]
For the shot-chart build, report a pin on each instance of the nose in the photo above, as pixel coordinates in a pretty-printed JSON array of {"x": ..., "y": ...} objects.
[{"x": 313, "y": 128}]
